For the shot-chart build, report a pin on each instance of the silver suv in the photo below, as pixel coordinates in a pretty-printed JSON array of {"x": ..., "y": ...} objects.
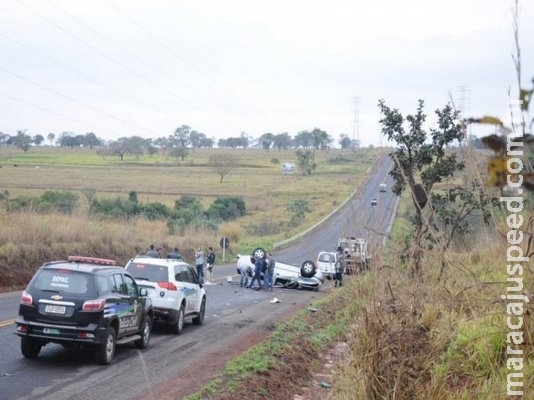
[{"x": 174, "y": 287}]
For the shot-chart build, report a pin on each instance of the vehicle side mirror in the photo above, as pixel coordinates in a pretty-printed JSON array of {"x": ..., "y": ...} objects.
[{"x": 143, "y": 292}]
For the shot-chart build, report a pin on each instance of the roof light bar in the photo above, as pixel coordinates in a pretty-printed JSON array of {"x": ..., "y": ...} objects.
[{"x": 92, "y": 260}]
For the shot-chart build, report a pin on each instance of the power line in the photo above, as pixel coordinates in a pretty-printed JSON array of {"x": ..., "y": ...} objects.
[
  {"x": 88, "y": 78},
  {"x": 129, "y": 123},
  {"x": 53, "y": 112},
  {"x": 97, "y": 50}
]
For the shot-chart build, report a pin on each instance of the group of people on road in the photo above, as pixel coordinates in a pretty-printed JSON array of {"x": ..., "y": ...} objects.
[
  {"x": 209, "y": 260},
  {"x": 261, "y": 266}
]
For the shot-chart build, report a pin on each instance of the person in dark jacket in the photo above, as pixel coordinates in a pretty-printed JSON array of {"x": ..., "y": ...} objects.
[
  {"x": 339, "y": 268},
  {"x": 268, "y": 277},
  {"x": 175, "y": 254},
  {"x": 152, "y": 252},
  {"x": 210, "y": 261},
  {"x": 258, "y": 267}
]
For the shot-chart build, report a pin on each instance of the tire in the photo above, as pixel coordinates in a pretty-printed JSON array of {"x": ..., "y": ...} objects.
[
  {"x": 105, "y": 351},
  {"x": 145, "y": 334},
  {"x": 258, "y": 253},
  {"x": 30, "y": 348},
  {"x": 179, "y": 324},
  {"x": 199, "y": 319},
  {"x": 308, "y": 269}
]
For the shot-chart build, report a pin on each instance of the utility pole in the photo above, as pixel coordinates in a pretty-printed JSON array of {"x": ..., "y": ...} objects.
[
  {"x": 462, "y": 100},
  {"x": 356, "y": 127}
]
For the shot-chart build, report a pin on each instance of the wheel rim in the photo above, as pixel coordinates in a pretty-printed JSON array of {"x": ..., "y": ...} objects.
[
  {"x": 146, "y": 332},
  {"x": 308, "y": 267},
  {"x": 202, "y": 309},
  {"x": 181, "y": 320},
  {"x": 110, "y": 347},
  {"x": 259, "y": 253}
]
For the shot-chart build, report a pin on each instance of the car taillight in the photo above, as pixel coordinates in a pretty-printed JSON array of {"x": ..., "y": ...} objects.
[
  {"x": 26, "y": 298},
  {"x": 94, "y": 305},
  {"x": 167, "y": 285}
]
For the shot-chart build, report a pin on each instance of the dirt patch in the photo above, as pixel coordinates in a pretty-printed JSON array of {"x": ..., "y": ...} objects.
[
  {"x": 302, "y": 374},
  {"x": 206, "y": 368}
]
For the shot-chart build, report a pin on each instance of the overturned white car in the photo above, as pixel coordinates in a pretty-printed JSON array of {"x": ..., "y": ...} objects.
[{"x": 307, "y": 276}]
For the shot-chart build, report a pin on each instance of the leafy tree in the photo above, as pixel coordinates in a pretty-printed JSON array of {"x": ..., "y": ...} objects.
[
  {"x": 119, "y": 147},
  {"x": 90, "y": 140},
  {"x": 266, "y": 141},
  {"x": 190, "y": 203},
  {"x": 38, "y": 139},
  {"x": 421, "y": 159},
  {"x": 456, "y": 210},
  {"x": 305, "y": 161},
  {"x": 22, "y": 141},
  {"x": 199, "y": 140},
  {"x": 222, "y": 164},
  {"x": 303, "y": 139},
  {"x": 344, "y": 141},
  {"x": 51, "y": 137},
  {"x": 321, "y": 139},
  {"x": 4, "y": 138},
  {"x": 179, "y": 153},
  {"x": 282, "y": 141},
  {"x": 183, "y": 135},
  {"x": 67, "y": 139},
  {"x": 155, "y": 210},
  {"x": 227, "y": 208},
  {"x": 63, "y": 202},
  {"x": 298, "y": 209}
]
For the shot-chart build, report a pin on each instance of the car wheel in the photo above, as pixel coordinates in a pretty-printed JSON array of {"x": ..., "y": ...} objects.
[
  {"x": 198, "y": 320},
  {"x": 145, "y": 334},
  {"x": 179, "y": 325},
  {"x": 258, "y": 253},
  {"x": 105, "y": 351},
  {"x": 308, "y": 269},
  {"x": 30, "y": 348}
]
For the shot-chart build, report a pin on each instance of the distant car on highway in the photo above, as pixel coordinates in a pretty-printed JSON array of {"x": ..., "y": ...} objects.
[
  {"x": 382, "y": 187},
  {"x": 80, "y": 303},
  {"x": 307, "y": 276},
  {"x": 374, "y": 202}
]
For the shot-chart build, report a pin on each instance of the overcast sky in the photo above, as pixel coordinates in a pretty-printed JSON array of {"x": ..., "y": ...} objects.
[{"x": 145, "y": 67}]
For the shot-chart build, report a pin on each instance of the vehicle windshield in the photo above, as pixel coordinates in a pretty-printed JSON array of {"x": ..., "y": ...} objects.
[
  {"x": 327, "y": 257},
  {"x": 65, "y": 282},
  {"x": 149, "y": 272}
]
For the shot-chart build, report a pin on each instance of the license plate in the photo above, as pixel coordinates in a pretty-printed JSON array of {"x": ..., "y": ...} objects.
[
  {"x": 51, "y": 331},
  {"x": 55, "y": 309}
]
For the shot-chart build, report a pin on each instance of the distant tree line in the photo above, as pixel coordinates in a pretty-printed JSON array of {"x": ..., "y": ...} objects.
[{"x": 183, "y": 140}]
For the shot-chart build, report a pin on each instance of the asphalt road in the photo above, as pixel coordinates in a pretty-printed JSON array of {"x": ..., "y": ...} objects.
[{"x": 231, "y": 312}]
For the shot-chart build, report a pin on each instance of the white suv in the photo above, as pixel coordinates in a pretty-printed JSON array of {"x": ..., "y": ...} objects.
[{"x": 173, "y": 286}]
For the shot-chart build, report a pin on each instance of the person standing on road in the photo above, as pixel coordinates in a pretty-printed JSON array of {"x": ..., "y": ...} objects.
[
  {"x": 152, "y": 252},
  {"x": 258, "y": 267},
  {"x": 210, "y": 260},
  {"x": 199, "y": 262},
  {"x": 268, "y": 277},
  {"x": 339, "y": 268},
  {"x": 175, "y": 254}
]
